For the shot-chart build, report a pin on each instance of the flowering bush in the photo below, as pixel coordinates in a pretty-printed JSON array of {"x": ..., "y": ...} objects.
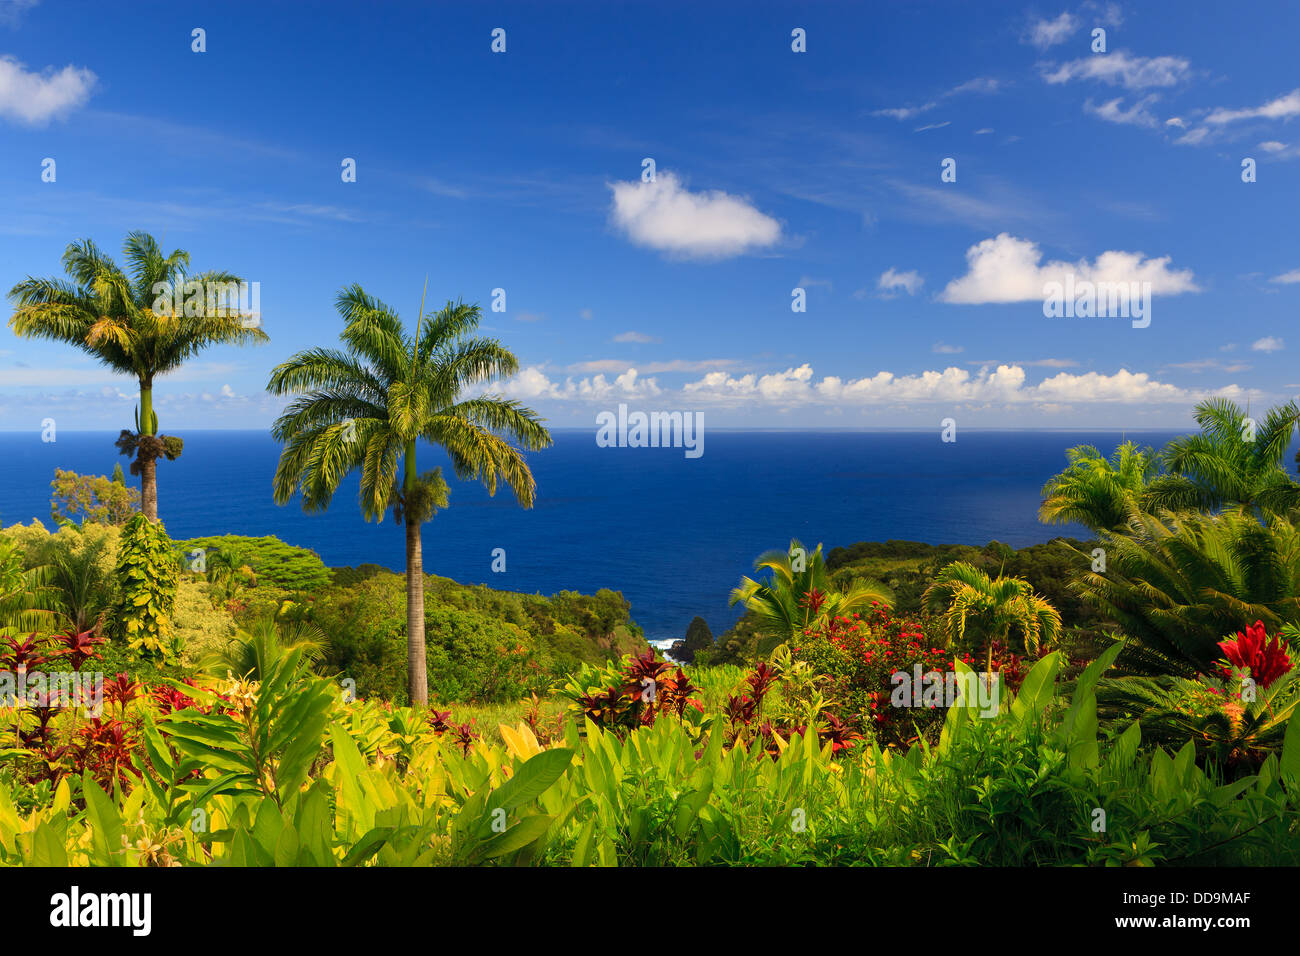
[{"x": 861, "y": 653}]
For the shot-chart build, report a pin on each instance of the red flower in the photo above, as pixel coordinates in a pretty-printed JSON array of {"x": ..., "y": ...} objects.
[{"x": 1267, "y": 660}]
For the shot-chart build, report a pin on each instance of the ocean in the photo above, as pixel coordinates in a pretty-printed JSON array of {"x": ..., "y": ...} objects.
[{"x": 674, "y": 534}]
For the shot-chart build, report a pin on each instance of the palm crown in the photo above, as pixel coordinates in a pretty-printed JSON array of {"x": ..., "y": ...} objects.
[
  {"x": 799, "y": 592},
  {"x": 361, "y": 408},
  {"x": 1233, "y": 461}
]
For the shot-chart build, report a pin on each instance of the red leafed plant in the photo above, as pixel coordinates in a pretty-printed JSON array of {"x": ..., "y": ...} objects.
[
  {"x": 1267, "y": 660},
  {"x": 78, "y": 647}
]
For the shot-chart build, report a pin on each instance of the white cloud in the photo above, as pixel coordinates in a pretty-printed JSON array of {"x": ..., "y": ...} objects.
[
  {"x": 1284, "y": 107},
  {"x": 36, "y": 98},
  {"x": 1267, "y": 344},
  {"x": 1000, "y": 385},
  {"x": 904, "y": 112},
  {"x": 1045, "y": 33},
  {"x": 891, "y": 280},
  {"x": 1287, "y": 278},
  {"x": 639, "y": 337},
  {"x": 922, "y": 129},
  {"x": 943, "y": 349},
  {"x": 984, "y": 132},
  {"x": 981, "y": 84},
  {"x": 1121, "y": 69},
  {"x": 1009, "y": 269},
  {"x": 1135, "y": 115},
  {"x": 533, "y": 383},
  {"x": 529, "y": 316},
  {"x": 1272, "y": 146},
  {"x": 664, "y": 215},
  {"x": 227, "y": 392}
]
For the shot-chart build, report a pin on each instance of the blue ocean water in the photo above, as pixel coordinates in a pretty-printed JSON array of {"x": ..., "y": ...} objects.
[{"x": 673, "y": 534}]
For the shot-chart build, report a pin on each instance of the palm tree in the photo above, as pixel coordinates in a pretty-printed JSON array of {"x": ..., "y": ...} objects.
[
  {"x": 362, "y": 407},
  {"x": 111, "y": 317},
  {"x": 1103, "y": 494},
  {"x": 799, "y": 592},
  {"x": 1177, "y": 584},
  {"x": 993, "y": 607},
  {"x": 1233, "y": 461}
]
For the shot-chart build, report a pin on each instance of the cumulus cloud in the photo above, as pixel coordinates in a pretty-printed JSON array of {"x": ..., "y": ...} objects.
[
  {"x": 1008, "y": 269},
  {"x": 1044, "y": 33},
  {"x": 891, "y": 281},
  {"x": 666, "y": 216},
  {"x": 797, "y": 386},
  {"x": 1121, "y": 69},
  {"x": 1267, "y": 344},
  {"x": 533, "y": 383},
  {"x": 36, "y": 98}
]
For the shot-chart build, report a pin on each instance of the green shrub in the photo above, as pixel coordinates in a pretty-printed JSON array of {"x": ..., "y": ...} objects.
[{"x": 276, "y": 563}]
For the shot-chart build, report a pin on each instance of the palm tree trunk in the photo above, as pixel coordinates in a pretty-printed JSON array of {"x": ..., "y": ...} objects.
[
  {"x": 417, "y": 673},
  {"x": 148, "y": 466},
  {"x": 149, "y": 488}
]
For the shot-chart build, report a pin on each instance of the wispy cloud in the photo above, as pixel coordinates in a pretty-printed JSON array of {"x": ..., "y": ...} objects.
[
  {"x": 1043, "y": 33},
  {"x": 1121, "y": 68}
]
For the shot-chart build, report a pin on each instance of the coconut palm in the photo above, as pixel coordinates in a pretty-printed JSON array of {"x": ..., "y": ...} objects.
[
  {"x": 362, "y": 407},
  {"x": 1101, "y": 493},
  {"x": 1234, "y": 460},
  {"x": 799, "y": 592},
  {"x": 112, "y": 317},
  {"x": 993, "y": 608},
  {"x": 1176, "y": 584}
]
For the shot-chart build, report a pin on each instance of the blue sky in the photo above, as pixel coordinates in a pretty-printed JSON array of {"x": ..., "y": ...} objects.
[{"x": 775, "y": 170}]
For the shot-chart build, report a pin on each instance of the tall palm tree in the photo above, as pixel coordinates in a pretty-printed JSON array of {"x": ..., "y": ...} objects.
[
  {"x": 1177, "y": 584},
  {"x": 366, "y": 405},
  {"x": 799, "y": 592},
  {"x": 1103, "y": 494},
  {"x": 1230, "y": 463},
  {"x": 995, "y": 608},
  {"x": 112, "y": 317}
]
